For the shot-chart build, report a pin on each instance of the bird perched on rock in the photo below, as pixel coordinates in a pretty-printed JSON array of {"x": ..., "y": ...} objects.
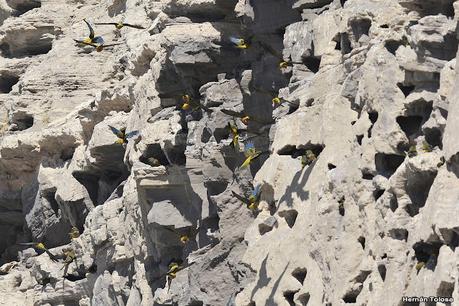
[
  {"x": 120, "y": 25},
  {"x": 426, "y": 147},
  {"x": 40, "y": 247},
  {"x": 187, "y": 103},
  {"x": 251, "y": 154},
  {"x": 253, "y": 200},
  {"x": 412, "y": 151},
  {"x": 307, "y": 158},
  {"x": 174, "y": 266},
  {"x": 122, "y": 135},
  {"x": 74, "y": 233},
  {"x": 419, "y": 266},
  {"x": 69, "y": 257}
]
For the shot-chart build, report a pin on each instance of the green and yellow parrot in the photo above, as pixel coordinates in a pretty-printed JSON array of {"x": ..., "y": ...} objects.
[
  {"x": 122, "y": 135},
  {"x": 92, "y": 39},
  {"x": 234, "y": 136},
  {"x": 250, "y": 153},
  {"x": 282, "y": 62},
  {"x": 239, "y": 43},
  {"x": 40, "y": 247},
  {"x": 419, "y": 266},
  {"x": 275, "y": 99},
  {"x": 74, "y": 233},
  {"x": 245, "y": 118},
  {"x": 412, "y": 151},
  {"x": 253, "y": 200},
  {"x": 120, "y": 25},
  {"x": 426, "y": 147},
  {"x": 98, "y": 47},
  {"x": 188, "y": 103},
  {"x": 184, "y": 236},
  {"x": 70, "y": 256},
  {"x": 307, "y": 158}
]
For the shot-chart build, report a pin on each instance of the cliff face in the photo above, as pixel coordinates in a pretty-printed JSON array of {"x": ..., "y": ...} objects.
[{"x": 359, "y": 170}]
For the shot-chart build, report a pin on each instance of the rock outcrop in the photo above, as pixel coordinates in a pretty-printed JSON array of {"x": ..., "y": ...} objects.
[{"x": 351, "y": 105}]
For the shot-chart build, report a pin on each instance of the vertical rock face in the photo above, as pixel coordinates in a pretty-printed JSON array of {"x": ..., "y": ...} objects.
[{"x": 351, "y": 105}]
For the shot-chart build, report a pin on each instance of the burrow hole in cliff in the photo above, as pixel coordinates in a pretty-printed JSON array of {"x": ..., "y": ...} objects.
[
  {"x": 387, "y": 164},
  {"x": 304, "y": 298},
  {"x": 296, "y": 152},
  {"x": 362, "y": 241},
  {"x": 154, "y": 156},
  {"x": 417, "y": 187},
  {"x": 398, "y": 234},
  {"x": 378, "y": 193},
  {"x": 427, "y": 252},
  {"x": 393, "y": 203},
  {"x": 35, "y": 46},
  {"x": 360, "y": 27},
  {"x": 373, "y": 116},
  {"x": 90, "y": 182},
  {"x": 406, "y": 89},
  {"x": 341, "y": 209},
  {"x": 433, "y": 136},
  {"x": 50, "y": 198},
  {"x": 21, "y": 121},
  {"x": 7, "y": 81},
  {"x": 289, "y": 216},
  {"x": 430, "y": 7},
  {"x": 342, "y": 43},
  {"x": 416, "y": 114},
  {"x": 382, "y": 271},
  {"x": 312, "y": 63},
  {"x": 289, "y": 296},
  {"x": 300, "y": 274},
  {"x": 195, "y": 303},
  {"x": 392, "y": 45},
  {"x": 99, "y": 185},
  {"x": 219, "y": 134},
  {"x": 21, "y": 7},
  {"x": 445, "y": 289},
  {"x": 420, "y": 80},
  {"x": 353, "y": 293}
]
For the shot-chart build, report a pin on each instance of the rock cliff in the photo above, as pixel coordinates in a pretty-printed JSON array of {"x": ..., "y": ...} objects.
[{"x": 349, "y": 106}]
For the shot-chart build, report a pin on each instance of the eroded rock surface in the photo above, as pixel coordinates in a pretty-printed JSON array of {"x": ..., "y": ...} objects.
[{"x": 367, "y": 87}]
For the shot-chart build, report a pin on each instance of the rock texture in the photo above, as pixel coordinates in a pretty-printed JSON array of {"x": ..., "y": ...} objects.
[{"x": 370, "y": 87}]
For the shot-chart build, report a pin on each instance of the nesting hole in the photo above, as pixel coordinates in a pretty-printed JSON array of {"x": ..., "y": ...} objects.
[
  {"x": 7, "y": 81},
  {"x": 398, "y": 234},
  {"x": 360, "y": 27},
  {"x": 304, "y": 299},
  {"x": 289, "y": 216},
  {"x": 361, "y": 240},
  {"x": 417, "y": 188},
  {"x": 387, "y": 164},
  {"x": 154, "y": 156},
  {"x": 289, "y": 296},
  {"x": 382, "y": 271},
  {"x": 300, "y": 274},
  {"x": 21, "y": 121},
  {"x": 312, "y": 63}
]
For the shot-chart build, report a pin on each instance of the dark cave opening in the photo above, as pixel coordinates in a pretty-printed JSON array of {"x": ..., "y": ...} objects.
[
  {"x": 7, "y": 81},
  {"x": 387, "y": 164}
]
